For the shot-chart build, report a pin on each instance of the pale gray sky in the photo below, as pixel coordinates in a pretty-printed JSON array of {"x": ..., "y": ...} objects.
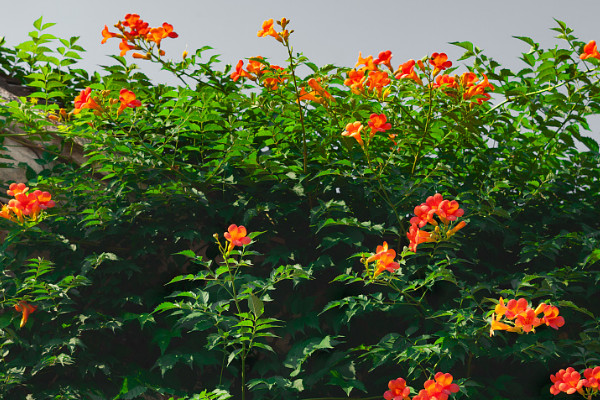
[{"x": 326, "y": 31}]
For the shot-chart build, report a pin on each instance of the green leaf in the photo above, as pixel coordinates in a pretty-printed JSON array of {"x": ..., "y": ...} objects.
[{"x": 256, "y": 305}]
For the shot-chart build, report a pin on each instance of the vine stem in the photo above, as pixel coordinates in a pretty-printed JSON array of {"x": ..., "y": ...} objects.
[
  {"x": 427, "y": 121},
  {"x": 300, "y": 109}
]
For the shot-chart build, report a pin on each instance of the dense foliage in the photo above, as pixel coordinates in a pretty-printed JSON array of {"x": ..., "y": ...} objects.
[{"x": 128, "y": 288}]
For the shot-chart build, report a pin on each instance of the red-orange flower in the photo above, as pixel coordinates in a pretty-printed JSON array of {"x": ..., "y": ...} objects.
[
  {"x": 267, "y": 29},
  {"x": 256, "y": 66},
  {"x": 107, "y": 35},
  {"x": 318, "y": 94},
  {"x": 441, "y": 386},
  {"x": 273, "y": 77},
  {"x": 378, "y": 123},
  {"x": 16, "y": 188},
  {"x": 440, "y": 62},
  {"x": 377, "y": 80},
  {"x": 385, "y": 58},
  {"x": 236, "y": 235},
  {"x": 379, "y": 252},
  {"x": 398, "y": 390},
  {"x": 239, "y": 71},
  {"x": 6, "y": 212},
  {"x": 355, "y": 80},
  {"x": 592, "y": 378},
  {"x": 523, "y": 317},
  {"x": 590, "y": 50},
  {"x": 368, "y": 62},
  {"x": 25, "y": 308},
  {"x": 446, "y": 211},
  {"x": 124, "y": 46},
  {"x": 471, "y": 89},
  {"x": 386, "y": 263},
  {"x": 385, "y": 260},
  {"x": 445, "y": 82},
  {"x": 353, "y": 130},
  {"x": 551, "y": 317},
  {"x": 136, "y": 25},
  {"x": 567, "y": 381},
  {"x": 85, "y": 100},
  {"x": 407, "y": 71},
  {"x": 127, "y": 99},
  {"x": 417, "y": 236}
]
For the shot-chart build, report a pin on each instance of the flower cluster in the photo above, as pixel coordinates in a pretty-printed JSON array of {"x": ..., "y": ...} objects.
[
  {"x": 25, "y": 204},
  {"x": 467, "y": 84},
  {"x": 471, "y": 88},
  {"x": 26, "y": 309},
  {"x": 385, "y": 260},
  {"x": 438, "y": 388},
  {"x": 590, "y": 50},
  {"x": 136, "y": 34},
  {"x": 271, "y": 75},
  {"x": 377, "y": 123},
  {"x": 447, "y": 212},
  {"x": 370, "y": 77},
  {"x": 268, "y": 30},
  {"x": 517, "y": 316},
  {"x": 569, "y": 381},
  {"x": 127, "y": 99}
]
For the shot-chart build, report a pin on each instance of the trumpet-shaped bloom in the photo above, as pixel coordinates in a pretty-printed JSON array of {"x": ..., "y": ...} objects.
[
  {"x": 440, "y": 62},
  {"x": 355, "y": 80},
  {"x": 379, "y": 252},
  {"x": 318, "y": 93},
  {"x": 592, "y": 378},
  {"x": 471, "y": 89},
  {"x": 385, "y": 259},
  {"x": 378, "y": 123},
  {"x": 398, "y": 390},
  {"x": 551, "y": 317},
  {"x": 164, "y": 31},
  {"x": 267, "y": 29},
  {"x": 386, "y": 263},
  {"x": 377, "y": 80},
  {"x": 239, "y": 71},
  {"x": 441, "y": 386},
  {"x": 385, "y": 58},
  {"x": 417, "y": 236},
  {"x": 256, "y": 66},
  {"x": 368, "y": 62},
  {"x": 236, "y": 235},
  {"x": 353, "y": 130},
  {"x": 127, "y": 99},
  {"x": 137, "y": 26},
  {"x": 568, "y": 381},
  {"x": 6, "y": 212},
  {"x": 85, "y": 100},
  {"x": 125, "y": 46},
  {"x": 590, "y": 50},
  {"x": 107, "y": 35},
  {"x": 407, "y": 71},
  {"x": 445, "y": 82},
  {"x": 16, "y": 188},
  {"x": 26, "y": 309},
  {"x": 516, "y": 307}
]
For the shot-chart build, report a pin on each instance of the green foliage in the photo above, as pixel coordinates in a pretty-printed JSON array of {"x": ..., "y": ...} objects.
[{"x": 137, "y": 297}]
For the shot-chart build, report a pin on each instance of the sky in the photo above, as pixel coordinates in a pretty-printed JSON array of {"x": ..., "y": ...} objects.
[{"x": 326, "y": 31}]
